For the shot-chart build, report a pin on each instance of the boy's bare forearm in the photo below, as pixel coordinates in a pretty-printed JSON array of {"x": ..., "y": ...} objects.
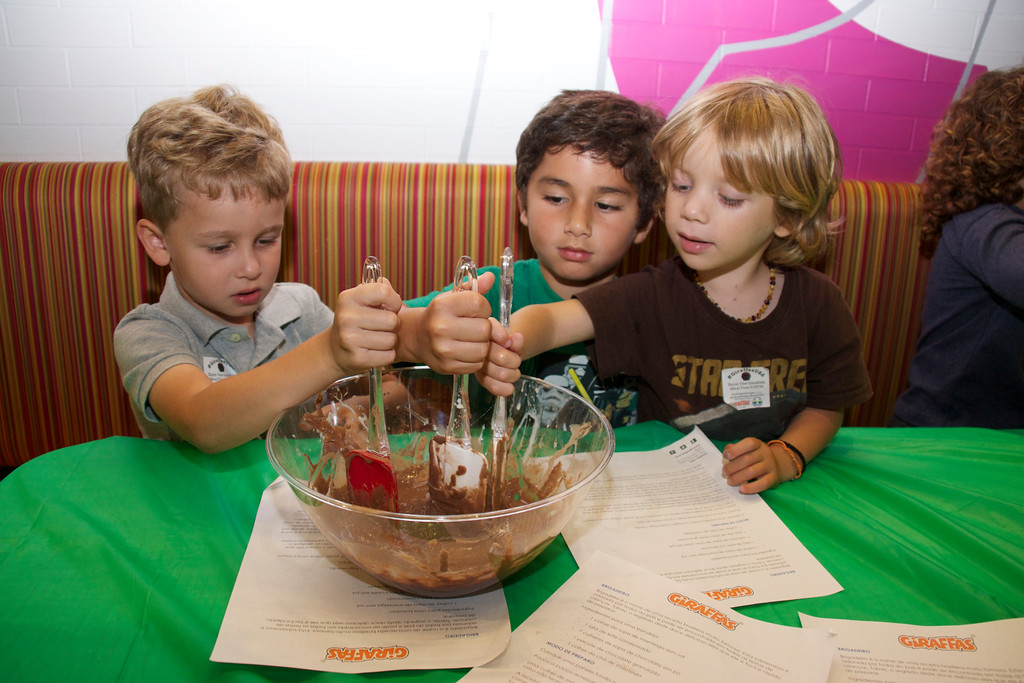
[
  {"x": 812, "y": 429},
  {"x": 754, "y": 465},
  {"x": 216, "y": 416},
  {"x": 411, "y": 335},
  {"x": 550, "y": 326}
]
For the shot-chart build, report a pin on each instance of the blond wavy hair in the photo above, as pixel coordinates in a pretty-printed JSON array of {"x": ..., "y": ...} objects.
[
  {"x": 209, "y": 142},
  {"x": 774, "y": 139}
]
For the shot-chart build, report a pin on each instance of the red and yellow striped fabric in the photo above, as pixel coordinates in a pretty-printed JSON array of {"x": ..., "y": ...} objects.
[
  {"x": 877, "y": 265},
  {"x": 417, "y": 219},
  {"x": 72, "y": 267}
]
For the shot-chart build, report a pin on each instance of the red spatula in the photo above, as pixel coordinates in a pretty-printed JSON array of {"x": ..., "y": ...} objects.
[{"x": 371, "y": 476}]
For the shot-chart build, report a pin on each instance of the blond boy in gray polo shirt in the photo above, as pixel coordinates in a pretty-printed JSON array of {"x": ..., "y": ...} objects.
[{"x": 227, "y": 348}]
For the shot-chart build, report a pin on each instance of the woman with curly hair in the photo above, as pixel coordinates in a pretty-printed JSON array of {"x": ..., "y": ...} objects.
[{"x": 969, "y": 365}]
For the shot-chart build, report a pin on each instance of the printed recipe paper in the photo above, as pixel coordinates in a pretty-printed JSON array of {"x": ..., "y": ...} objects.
[
  {"x": 670, "y": 511},
  {"x": 613, "y": 621},
  {"x": 989, "y": 652},
  {"x": 298, "y": 603}
]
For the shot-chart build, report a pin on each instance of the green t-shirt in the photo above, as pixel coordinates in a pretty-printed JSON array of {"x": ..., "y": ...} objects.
[{"x": 569, "y": 366}]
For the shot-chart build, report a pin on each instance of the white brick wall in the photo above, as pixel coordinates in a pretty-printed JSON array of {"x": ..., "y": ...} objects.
[
  {"x": 354, "y": 80},
  {"x": 348, "y": 80}
]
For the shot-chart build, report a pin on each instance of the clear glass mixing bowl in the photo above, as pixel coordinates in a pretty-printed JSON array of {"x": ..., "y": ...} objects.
[{"x": 558, "y": 444}]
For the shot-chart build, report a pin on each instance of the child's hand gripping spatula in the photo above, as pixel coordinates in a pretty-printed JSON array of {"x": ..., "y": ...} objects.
[
  {"x": 499, "y": 418},
  {"x": 458, "y": 474},
  {"x": 371, "y": 476}
]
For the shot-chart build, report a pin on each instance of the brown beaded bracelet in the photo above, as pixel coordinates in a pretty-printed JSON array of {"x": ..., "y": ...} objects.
[{"x": 799, "y": 462}]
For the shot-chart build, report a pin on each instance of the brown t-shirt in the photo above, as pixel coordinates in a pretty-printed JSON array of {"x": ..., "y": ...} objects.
[{"x": 657, "y": 326}]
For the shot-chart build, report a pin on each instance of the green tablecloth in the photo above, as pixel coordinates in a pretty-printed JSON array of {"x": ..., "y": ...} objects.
[{"x": 117, "y": 557}]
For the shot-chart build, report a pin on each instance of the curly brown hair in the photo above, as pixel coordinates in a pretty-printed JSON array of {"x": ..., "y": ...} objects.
[
  {"x": 977, "y": 153},
  {"x": 609, "y": 126}
]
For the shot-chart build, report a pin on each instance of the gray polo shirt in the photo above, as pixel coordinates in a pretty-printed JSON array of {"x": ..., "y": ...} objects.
[{"x": 155, "y": 337}]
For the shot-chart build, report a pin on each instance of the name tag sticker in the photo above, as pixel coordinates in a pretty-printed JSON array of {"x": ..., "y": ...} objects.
[
  {"x": 745, "y": 388},
  {"x": 217, "y": 368}
]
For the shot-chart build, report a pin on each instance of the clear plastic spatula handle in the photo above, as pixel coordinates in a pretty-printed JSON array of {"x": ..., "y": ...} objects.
[
  {"x": 506, "y": 287},
  {"x": 458, "y": 424},
  {"x": 505, "y": 312},
  {"x": 377, "y": 436},
  {"x": 499, "y": 418}
]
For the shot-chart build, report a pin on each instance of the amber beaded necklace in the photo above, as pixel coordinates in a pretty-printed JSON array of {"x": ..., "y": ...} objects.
[{"x": 764, "y": 306}]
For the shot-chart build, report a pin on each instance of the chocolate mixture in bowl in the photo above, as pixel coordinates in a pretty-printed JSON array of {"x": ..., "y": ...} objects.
[
  {"x": 554, "y": 454},
  {"x": 343, "y": 428}
]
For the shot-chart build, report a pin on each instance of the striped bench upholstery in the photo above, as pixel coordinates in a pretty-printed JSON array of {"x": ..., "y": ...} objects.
[
  {"x": 71, "y": 267},
  {"x": 418, "y": 219},
  {"x": 70, "y": 271},
  {"x": 877, "y": 265}
]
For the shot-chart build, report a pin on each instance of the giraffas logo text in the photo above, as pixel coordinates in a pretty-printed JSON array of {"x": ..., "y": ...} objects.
[
  {"x": 949, "y": 643},
  {"x": 704, "y": 610},
  {"x": 366, "y": 654},
  {"x": 729, "y": 593}
]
